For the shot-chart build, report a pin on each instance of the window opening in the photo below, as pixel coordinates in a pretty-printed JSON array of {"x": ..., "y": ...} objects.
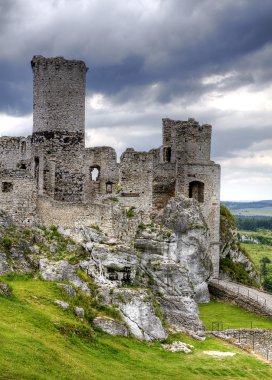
[
  {"x": 109, "y": 187},
  {"x": 167, "y": 154},
  {"x": 7, "y": 187},
  {"x": 23, "y": 146},
  {"x": 196, "y": 191},
  {"x": 36, "y": 167},
  {"x": 94, "y": 172}
]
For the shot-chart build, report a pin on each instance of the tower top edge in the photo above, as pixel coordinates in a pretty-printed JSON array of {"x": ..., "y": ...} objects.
[{"x": 39, "y": 60}]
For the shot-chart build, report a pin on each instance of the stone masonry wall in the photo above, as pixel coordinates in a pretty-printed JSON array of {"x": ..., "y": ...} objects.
[
  {"x": 15, "y": 153},
  {"x": 18, "y": 196},
  {"x": 136, "y": 177},
  {"x": 58, "y": 94},
  {"x": 101, "y": 172}
]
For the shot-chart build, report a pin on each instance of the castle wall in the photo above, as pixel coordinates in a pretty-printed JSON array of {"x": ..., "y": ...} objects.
[
  {"x": 189, "y": 141},
  {"x": 15, "y": 153},
  {"x": 101, "y": 172},
  {"x": 136, "y": 178},
  {"x": 52, "y": 212},
  {"x": 164, "y": 179},
  {"x": 18, "y": 196}
]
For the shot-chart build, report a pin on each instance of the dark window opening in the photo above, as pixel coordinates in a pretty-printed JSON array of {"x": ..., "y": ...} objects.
[
  {"x": 94, "y": 172},
  {"x": 22, "y": 166},
  {"x": 109, "y": 187},
  {"x": 196, "y": 191},
  {"x": 36, "y": 167},
  {"x": 7, "y": 187},
  {"x": 23, "y": 146},
  {"x": 167, "y": 154}
]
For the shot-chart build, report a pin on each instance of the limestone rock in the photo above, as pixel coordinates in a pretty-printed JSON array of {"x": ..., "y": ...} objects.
[
  {"x": 184, "y": 217},
  {"x": 111, "y": 326},
  {"x": 4, "y": 266},
  {"x": 138, "y": 311},
  {"x": 5, "y": 290},
  {"x": 79, "y": 312},
  {"x": 230, "y": 247},
  {"x": 61, "y": 271},
  {"x": 62, "y": 304},
  {"x": 68, "y": 288},
  {"x": 178, "y": 347}
]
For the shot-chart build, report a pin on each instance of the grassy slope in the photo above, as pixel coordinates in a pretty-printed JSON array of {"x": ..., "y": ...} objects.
[
  {"x": 32, "y": 347},
  {"x": 230, "y": 316}
]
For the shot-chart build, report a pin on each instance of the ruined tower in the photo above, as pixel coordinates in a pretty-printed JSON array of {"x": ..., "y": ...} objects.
[{"x": 58, "y": 127}]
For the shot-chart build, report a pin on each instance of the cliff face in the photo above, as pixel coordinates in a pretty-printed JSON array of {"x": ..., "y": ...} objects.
[
  {"x": 153, "y": 273},
  {"x": 234, "y": 262}
]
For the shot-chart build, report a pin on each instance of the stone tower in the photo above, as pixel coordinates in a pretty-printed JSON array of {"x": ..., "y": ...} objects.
[
  {"x": 58, "y": 127},
  {"x": 187, "y": 145}
]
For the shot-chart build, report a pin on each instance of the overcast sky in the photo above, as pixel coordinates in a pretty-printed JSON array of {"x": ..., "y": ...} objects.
[{"x": 149, "y": 59}]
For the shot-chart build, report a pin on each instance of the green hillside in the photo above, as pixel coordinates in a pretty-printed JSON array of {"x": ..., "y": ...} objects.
[{"x": 39, "y": 340}]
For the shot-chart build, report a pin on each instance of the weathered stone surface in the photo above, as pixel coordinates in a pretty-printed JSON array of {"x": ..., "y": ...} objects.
[
  {"x": 62, "y": 304},
  {"x": 230, "y": 248},
  {"x": 136, "y": 306},
  {"x": 61, "y": 271},
  {"x": 178, "y": 347},
  {"x": 5, "y": 290},
  {"x": 184, "y": 217},
  {"x": 79, "y": 312},
  {"x": 4, "y": 266},
  {"x": 69, "y": 289},
  {"x": 111, "y": 326}
]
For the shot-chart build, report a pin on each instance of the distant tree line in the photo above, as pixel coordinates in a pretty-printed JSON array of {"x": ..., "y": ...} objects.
[{"x": 253, "y": 223}]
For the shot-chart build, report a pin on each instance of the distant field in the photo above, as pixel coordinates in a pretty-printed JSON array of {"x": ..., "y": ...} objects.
[
  {"x": 260, "y": 208},
  {"x": 258, "y": 211}
]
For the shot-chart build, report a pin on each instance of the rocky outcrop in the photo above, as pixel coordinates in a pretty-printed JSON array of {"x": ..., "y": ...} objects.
[
  {"x": 234, "y": 262},
  {"x": 111, "y": 326},
  {"x": 5, "y": 290},
  {"x": 154, "y": 273}
]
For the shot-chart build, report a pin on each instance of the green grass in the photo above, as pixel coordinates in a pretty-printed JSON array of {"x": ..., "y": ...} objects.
[
  {"x": 38, "y": 340},
  {"x": 230, "y": 316},
  {"x": 258, "y": 251}
]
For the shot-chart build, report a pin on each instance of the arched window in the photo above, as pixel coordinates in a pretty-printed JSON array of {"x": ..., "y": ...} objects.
[
  {"x": 94, "y": 172},
  {"x": 196, "y": 190}
]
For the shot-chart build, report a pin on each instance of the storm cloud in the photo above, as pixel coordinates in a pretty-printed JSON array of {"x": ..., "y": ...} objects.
[{"x": 150, "y": 59}]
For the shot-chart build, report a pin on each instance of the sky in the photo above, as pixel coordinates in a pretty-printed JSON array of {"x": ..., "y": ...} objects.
[{"x": 149, "y": 59}]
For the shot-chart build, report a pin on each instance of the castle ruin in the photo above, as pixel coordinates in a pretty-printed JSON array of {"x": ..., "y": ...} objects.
[{"x": 51, "y": 178}]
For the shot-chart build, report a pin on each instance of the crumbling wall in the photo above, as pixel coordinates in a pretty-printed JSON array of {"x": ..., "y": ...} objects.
[
  {"x": 52, "y": 212},
  {"x": 164, "y": 180},
  {"x": 101, "y": 172},
  {"x": 15, "y": 153},
  {"x": 136, "y": 178},
  {"x": 18, "y": 196}
]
